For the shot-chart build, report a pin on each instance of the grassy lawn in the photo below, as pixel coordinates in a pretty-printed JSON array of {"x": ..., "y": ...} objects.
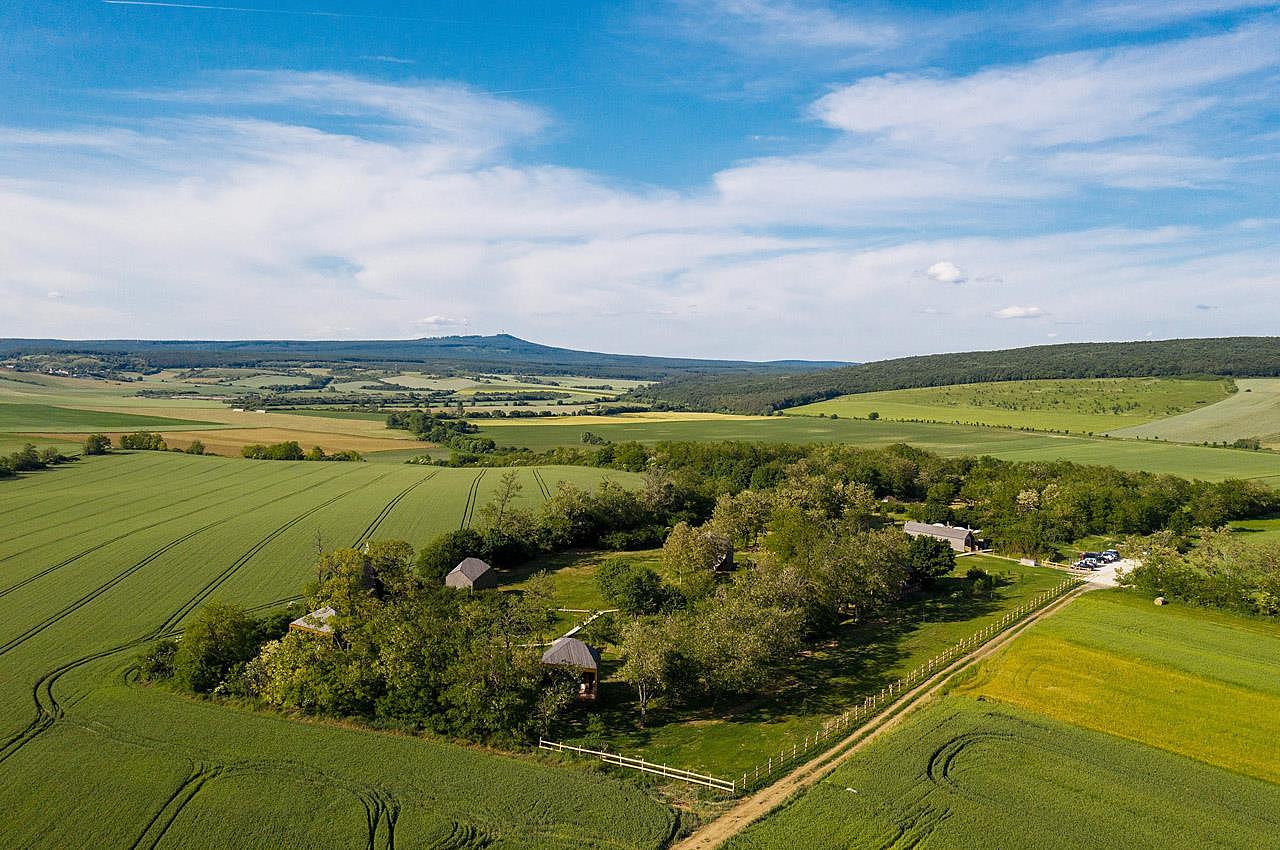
[
  {"x": 1080, "y": 406},
  {"x": 725, "y": 740},
  {"x": 1258, "y": 530}
]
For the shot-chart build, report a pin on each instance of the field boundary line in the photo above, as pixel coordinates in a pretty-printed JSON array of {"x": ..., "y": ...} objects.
[{"x": 767, "y": 799}]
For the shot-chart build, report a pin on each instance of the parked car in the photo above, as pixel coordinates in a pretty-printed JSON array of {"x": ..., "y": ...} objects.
[
  {"x": 1088, "y": 564},
  {"x": 1097, "y": 556},
  {"x": 1110, "y": 556}
]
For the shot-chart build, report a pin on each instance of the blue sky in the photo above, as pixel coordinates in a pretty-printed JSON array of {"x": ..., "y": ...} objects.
[{"x": 739, "y": 178}]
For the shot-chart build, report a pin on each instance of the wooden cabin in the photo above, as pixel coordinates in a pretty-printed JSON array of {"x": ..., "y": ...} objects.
[{"x": 573, "y": 654}]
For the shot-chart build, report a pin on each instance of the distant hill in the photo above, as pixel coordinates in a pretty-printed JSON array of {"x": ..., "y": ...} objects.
[
  {"x": 498, "y": 353},
  {"x": 764, "y": 393}
]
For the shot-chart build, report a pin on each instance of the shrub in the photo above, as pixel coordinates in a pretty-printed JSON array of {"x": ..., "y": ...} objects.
[
  {"x": 157, "y": 662},
  {"x": 220, "y": 638},
  {"x": 96, "y": 444}
]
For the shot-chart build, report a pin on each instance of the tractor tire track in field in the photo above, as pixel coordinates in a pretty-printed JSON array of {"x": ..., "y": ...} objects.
[
  {"x": 542, "y": 484},
  {"x": 128, "y": 571},
  {"x": 47, "y": 570},
  {"x": 221, "y": 578},
  {"x": 47, "y": 708},
  {"x": 227, "y": 472},
  {"x": 469, "y": 510},
  {"x": 214, "y": 490},
  {"x": 163, "y": 819},
  {"x": 50, "y": 492},
  {"x": 377, "y": 521}
]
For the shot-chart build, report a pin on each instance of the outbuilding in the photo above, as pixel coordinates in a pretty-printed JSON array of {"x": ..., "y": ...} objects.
[
  {"x": 960, "y": 538},
  {"x": 318, "y": 622},
  {"x": 472, "y": 574},
  {"x": 573, "y": 654}
]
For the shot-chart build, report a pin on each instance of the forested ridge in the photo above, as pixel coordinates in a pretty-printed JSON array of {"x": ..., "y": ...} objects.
[
  {"x": 762, "y": 394},
  {"x": 496, "y": 353}
]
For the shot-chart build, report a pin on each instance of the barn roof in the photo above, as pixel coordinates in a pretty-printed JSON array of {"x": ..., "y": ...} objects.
[
  {"x": 316, "y": 621},
  {"x": 937, "y": 529},
  {"x": 571, "y": 652},
  {"x": 472, "y": 568}
]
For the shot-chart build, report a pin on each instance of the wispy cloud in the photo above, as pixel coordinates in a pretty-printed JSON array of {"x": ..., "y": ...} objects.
[{"x": 1017, "y": 312}]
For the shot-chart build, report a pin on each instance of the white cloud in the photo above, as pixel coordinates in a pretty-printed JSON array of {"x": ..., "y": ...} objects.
[
  {"x": 945, "y": 271},
  {"x": 1016, "y": 312},
  {"x": 1072, "y": 98},
  {"x": 774, "y": 24}
]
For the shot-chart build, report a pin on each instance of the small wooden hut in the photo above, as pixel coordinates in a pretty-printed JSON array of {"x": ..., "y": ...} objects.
[{"x": 573, "y": 654}]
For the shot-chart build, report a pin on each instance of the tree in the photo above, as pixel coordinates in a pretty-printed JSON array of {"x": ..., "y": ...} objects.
[
  {"x": 646, "y": 652},
  {"x": 929, "y": 559},
  {"x": 634, "y": 588},
  {"x": 495, "y": 511},
  {"x": 96, "y": 444},
  {"x": 742, "y": 517},
  {"x": 220, "y": 637},
  {"x": 196, "y": 448},
  {"x": 441, "y": 555},
  {"x": 690, "y": 555}
]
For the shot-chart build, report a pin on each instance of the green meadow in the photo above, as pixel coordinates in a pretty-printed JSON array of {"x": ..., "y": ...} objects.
[
  {"x": 1083, "y": 406},
  {"x": 99, "y": 557},
  {"x": 1253, "y": 412}
]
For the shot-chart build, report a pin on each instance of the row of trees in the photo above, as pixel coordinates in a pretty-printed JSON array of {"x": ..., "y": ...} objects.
[
  {"x": 1027, "y": 508},
  {"x": 146, "y": 441},
  {"x": 291, "y": 450},
  {"x": 29, "y": 459}
]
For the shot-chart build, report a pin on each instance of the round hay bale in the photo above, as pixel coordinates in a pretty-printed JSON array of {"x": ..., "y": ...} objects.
[{"x": 1159, "y": 600}]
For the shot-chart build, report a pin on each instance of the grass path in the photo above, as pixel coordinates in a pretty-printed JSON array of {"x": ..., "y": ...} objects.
[{"x": 752, "y": 808}]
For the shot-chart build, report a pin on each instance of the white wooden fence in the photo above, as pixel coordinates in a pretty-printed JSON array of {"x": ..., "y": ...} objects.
[{"x": 646, "y": 766}]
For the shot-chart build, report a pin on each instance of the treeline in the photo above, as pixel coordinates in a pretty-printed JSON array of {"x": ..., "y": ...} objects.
[
  {"x": 763, "y": 394},
  {"x": 1222, "y": 570},
  {"x": 29, "y": 459},
  {"x": 445, "y": 429},
  {"x": 292, "y": 450},
  {"x": 500, "y": 353},
  {"x": 1030, "y": 508}
]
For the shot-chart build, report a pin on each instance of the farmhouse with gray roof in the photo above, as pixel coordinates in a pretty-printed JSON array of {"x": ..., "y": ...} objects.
[
  {"x": 960, "y": 538},
  {"x": 472, "y": 574}
]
